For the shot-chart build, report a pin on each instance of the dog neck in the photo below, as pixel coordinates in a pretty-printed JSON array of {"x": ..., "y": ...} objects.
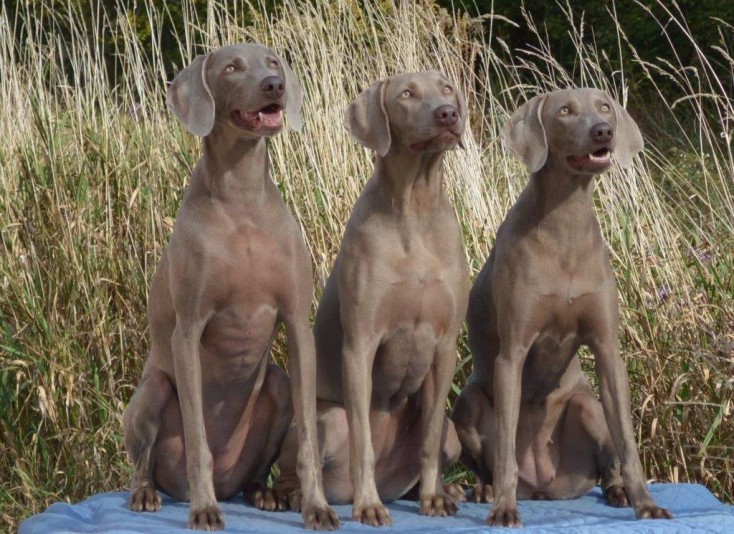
[
  {"x": 235, "y": 169},
  {"x": 559, "y": 207},
  {"x": 561, "y": 196},
  {"x": 413, "y": 183}
]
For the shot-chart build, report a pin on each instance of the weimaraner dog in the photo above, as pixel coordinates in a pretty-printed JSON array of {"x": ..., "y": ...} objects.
[
  {"x": 391, "y": 310},
  {"x": 527, "y": 411},
  {"x": 210, "y": 413}
]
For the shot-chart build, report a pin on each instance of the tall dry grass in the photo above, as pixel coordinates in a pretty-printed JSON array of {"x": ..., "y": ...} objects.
[{"x": 92, "y": 170}]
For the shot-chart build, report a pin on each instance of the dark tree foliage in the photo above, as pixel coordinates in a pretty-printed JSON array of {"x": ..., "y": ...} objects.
[
  {"x": 660, "y": 32},
  {"x": 136, "y": 12},
  {"x": 642, "y": 30},
  {"x": 636, "y": 18}
]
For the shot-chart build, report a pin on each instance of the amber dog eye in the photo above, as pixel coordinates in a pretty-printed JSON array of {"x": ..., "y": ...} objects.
[
  {"x": 273, "y": 64},
  {"x": 565, "y": 110},
  {"x": 448, "y": 90},
  {"x": 229, "y": 68},
  {"x": 605, "y": 108},
  {"x": 406, "y": 94}
]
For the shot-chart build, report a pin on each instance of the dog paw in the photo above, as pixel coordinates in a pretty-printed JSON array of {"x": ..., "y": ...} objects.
[
  {"x": 438, "y": 506},
  {"x": 482, "y": 493},
  {"x": 320, "y": 518},
  {"x": 293, "y": 499},
  {"x": 206, "y": 518},
  {"x": 616, "y": 496},
  {"x": 652, "y": 511},
  {"x": 374, "y": 515},
  {"x": 145, "y": 499},
  {"x": 455, "y": 491},
  {"x": 504, "y": 516},
  {"x": 264, "y": 498}
]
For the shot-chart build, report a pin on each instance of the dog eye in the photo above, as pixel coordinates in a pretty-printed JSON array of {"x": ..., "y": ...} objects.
[
  {"x": 229, "y": 68},
  {"x": 406, "y": 94},
  {"x": 447, "y": 90},
  {"x": 605, "y": 108},
  {"x": 273, "y": 64},
  {"x": 565, "y": 110}
]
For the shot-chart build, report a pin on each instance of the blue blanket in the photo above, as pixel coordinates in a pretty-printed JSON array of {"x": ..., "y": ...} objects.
[{"x": 695, "y": 509}]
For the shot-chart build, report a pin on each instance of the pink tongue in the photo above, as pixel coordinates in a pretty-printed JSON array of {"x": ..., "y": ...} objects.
[{"x": 271, "y": 119}]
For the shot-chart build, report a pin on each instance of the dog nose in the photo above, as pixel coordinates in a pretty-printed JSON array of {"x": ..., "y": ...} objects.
[
  {"x": 447, "y": 115},
  {"x": 273, "y": 86},
  {"x": 602, "y": 132}
]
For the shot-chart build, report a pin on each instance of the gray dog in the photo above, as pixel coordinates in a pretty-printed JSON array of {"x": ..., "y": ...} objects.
[
  {"x": 210, "y": 413},
  {"x": 527, "y": 411},
  {"x": 388, "y": 319}
]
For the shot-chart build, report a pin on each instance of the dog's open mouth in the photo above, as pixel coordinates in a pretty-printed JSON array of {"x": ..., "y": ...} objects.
[
  {"x": 441, "y": 142},
  {"x": 596, "y": 161},
  {"x": 268, "y": 118}
]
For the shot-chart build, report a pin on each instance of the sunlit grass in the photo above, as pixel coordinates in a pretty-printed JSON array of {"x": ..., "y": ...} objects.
[{"x": 92, "y": 170}]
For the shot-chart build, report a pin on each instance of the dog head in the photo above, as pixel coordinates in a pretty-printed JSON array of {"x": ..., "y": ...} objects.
[
  {"x": 246, "y": 87},
  {"x": 576, "y": 129},
  {"x": 423, "y": 112}
]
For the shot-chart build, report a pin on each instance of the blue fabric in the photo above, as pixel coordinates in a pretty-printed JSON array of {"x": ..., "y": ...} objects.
[{"x": 695, "y": 509}]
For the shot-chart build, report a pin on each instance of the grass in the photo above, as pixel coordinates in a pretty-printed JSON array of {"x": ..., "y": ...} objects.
[{"x": 92, "y": 169}]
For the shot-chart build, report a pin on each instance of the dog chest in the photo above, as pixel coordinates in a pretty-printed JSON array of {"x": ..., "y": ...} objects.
[
  {"x": 420, "y": 299},
  {"x": 402, "y": 361},
  {"x": 418, "y": 288},
  {"x": 244, "y": 272},
  {"x": 238, "y": 334},
  {"x": 547, "y": 362}
]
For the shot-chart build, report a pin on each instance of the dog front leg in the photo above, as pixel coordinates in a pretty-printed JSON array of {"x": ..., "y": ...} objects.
[
  {"x": 142, "y": 422},
  {"x": 615, "y": 398},
  {"x": 204, "y": 513},
  {"x": 316, "y": 512},
  {"x": 434, "y": 501},
  {"x": 507, "y": 395},
  {"x": 357, "y": 358}
]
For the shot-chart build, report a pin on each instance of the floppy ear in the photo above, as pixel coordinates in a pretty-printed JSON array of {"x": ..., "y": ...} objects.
[
  {"x": 463, "y": 112},
  {"x": 525, "y": 135},
  {"x": 190, "y": 99},
  {"x": 294, "y": 93},
  {"x": 366, "y": 119},
  {"x": 629, "y": 138}
]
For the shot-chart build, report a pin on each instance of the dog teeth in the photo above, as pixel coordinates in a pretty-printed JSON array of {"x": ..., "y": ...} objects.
[
  {"x": 604, "y": 157},
  {"x": 271, "y": 119}
]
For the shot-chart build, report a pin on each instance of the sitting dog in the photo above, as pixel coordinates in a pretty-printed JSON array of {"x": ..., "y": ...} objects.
[
  {"x": 392, "y": 307},
  {"x": 527, "y": 420},
  {"x": 210, "y": 413}
]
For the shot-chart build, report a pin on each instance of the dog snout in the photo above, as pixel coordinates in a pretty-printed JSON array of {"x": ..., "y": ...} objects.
[
  {"x": 602, "y": 132},
  {"x": 446, "y": 115},
  {"x": 273, "y": 86}
]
